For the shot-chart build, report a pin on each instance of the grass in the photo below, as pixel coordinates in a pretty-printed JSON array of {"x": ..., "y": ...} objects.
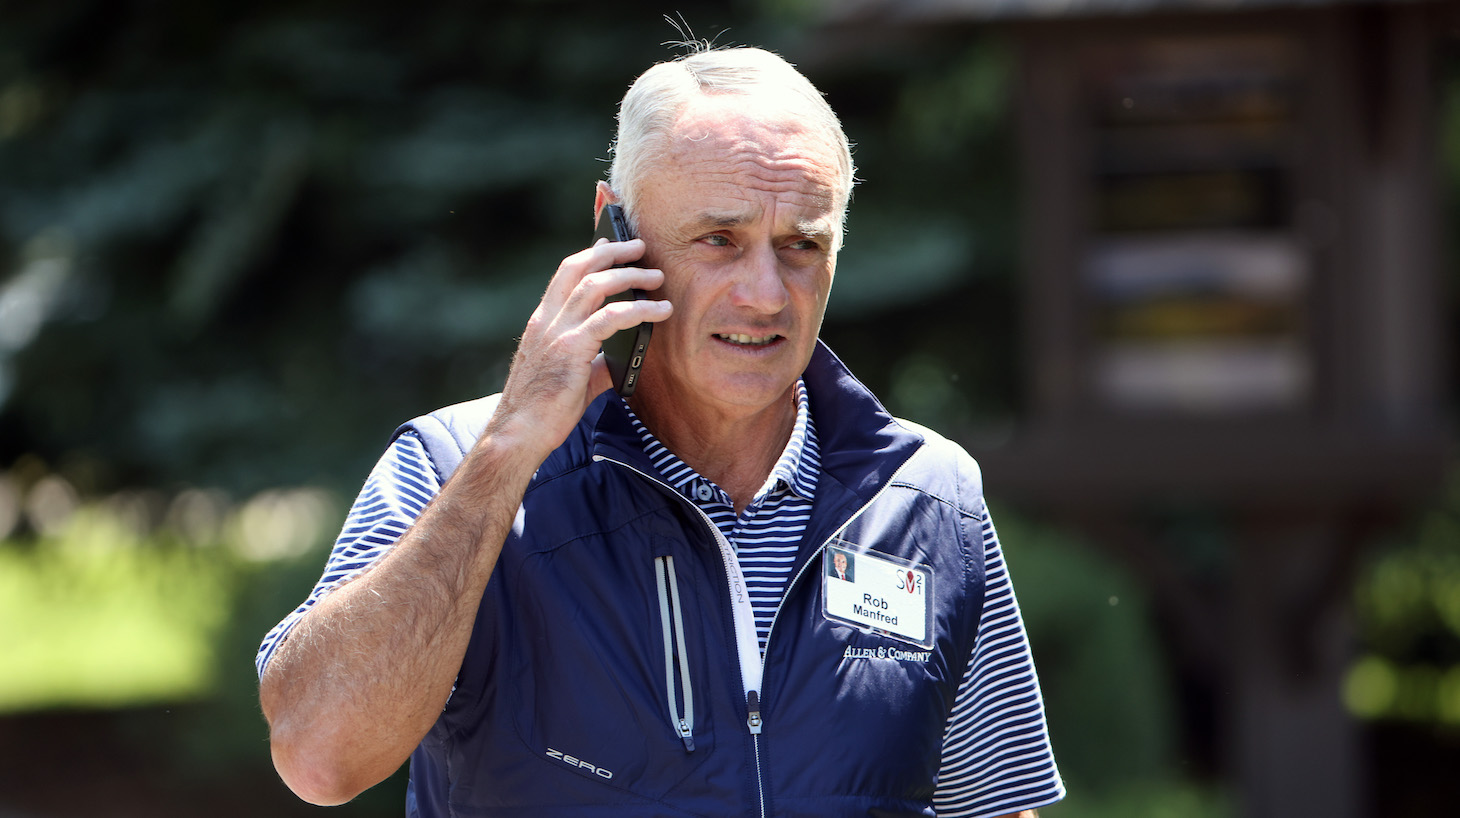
[{"x": 100, "y": 619}]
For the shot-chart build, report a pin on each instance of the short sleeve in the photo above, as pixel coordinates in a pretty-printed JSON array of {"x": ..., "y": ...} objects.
[
  {"x": 997, "y": 757},
  {"x": 397, "y": 491}
]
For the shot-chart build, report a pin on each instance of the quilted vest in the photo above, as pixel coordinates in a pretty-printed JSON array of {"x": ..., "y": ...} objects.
[{"x": 605, "y": 674}]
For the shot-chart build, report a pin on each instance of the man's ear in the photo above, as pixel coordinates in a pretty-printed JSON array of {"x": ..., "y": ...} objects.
[{"x": 603, "y": 195}]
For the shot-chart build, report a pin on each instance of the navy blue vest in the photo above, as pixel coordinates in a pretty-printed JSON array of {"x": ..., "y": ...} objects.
[{"x": 566, "y": 704}]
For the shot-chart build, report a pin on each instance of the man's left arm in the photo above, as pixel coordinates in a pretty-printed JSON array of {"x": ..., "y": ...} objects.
[{"x": 996, "y": 749}]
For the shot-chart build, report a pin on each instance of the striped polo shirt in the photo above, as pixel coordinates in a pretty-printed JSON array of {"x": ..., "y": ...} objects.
[{"x": 996, "y": 754}]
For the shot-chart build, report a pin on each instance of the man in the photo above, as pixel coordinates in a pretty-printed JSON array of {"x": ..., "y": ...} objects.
[
  {"x": 617, "y": 608},
  {"x": 840, "y": 566}
]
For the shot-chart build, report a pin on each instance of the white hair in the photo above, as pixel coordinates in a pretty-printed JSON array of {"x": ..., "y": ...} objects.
[{"x": 653, "y": 104}]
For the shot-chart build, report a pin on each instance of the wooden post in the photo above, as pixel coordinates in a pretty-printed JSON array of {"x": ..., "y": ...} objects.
[{"x": 1294, "y": 748}]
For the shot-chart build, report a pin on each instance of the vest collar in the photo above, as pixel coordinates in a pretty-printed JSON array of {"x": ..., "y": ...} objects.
[{"x": 862, "y": 445}]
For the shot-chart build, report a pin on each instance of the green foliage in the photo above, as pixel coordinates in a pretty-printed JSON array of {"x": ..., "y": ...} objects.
[
  {"x": 925, "y": 305},
  {"x": 136, "y": 598},
  {"x": 97, "y": 624},
  {"x": 227, "y": 231},
  {"x": 1107, "y": 693},
  {"x": 1408, "y": 612},
  {"x": 153, "y": 606},
  {"x": 960, "y": 108}
]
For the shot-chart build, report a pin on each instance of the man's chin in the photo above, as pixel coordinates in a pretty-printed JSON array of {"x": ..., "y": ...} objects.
[
  {"x": 725, "y": 389},
  {"x": 754, "y": 392}
]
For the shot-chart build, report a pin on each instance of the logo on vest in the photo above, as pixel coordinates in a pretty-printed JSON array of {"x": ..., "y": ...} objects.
[
  {"x": 887, "y": 654},
  {"x": 579, "y": 763}
]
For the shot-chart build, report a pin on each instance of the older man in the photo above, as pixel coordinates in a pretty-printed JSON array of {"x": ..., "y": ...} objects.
[{"x": 558, "y": 602}]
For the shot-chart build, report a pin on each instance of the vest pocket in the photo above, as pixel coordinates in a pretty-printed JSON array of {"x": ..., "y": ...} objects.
[
  {"x": 676, "y": 659},
  {"x": 583, "y": 671}
]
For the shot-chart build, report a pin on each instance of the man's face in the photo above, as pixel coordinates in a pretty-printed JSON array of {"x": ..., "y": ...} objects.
[
  {"x": 841, "y": 562},
  {"x": 741, "y": 216}
]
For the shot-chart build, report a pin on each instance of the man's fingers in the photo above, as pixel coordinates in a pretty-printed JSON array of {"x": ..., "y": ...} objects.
[
  {"x": 603, "y": 255},
  {"x": 595, "y": 288},
  {"x": 620, "y": 252},
  {"x": 600, "y": 380},
  {"x": 621, "y": 315}
]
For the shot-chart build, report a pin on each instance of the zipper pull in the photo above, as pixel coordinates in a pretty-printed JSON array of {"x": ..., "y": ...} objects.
[
  {"x": 687, "y": 735},
  {"x": 752, "y": 700}
]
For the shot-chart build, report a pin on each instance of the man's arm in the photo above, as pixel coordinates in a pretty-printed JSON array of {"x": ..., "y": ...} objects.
[
  {"x": 365, "y": 673},
  {"x": 996, "y": 747}
]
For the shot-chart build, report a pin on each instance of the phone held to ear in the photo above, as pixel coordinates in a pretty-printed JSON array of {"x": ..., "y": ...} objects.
[{"x": 625, "y": 350}]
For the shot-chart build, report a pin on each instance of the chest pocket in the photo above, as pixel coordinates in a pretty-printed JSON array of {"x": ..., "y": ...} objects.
[
  {"x": 612, "y": 688},
  {"x": 678, "y": 681}
]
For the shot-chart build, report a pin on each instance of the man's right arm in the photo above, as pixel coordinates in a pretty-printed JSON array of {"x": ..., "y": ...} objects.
[
  {"x": 367, "y": 670},
  {"x": 365, "y": 673}
]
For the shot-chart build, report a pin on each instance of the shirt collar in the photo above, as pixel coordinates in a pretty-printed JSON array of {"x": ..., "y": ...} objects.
[
  {"x": 795, "y": 471},
  {"x": 799, "y": 463}
]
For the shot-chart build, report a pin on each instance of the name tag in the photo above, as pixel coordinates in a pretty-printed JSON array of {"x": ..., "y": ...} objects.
[{"x": 875, "y": 592}]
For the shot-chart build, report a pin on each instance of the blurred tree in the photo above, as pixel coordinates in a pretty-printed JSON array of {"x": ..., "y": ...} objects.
[
  {"x": 925, "y": 303},
  {"x": 1096, "y": 648},
  {"x": 238, "y": 244}
]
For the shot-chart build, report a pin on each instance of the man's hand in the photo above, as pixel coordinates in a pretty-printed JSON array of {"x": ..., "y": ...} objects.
[{"x": 558, "y": 370}]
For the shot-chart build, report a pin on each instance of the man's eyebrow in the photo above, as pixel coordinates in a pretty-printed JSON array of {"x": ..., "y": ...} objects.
[
  {"x": 811, "y": 228},
  {"x": 721, "y": 220},
  {"x": 818, "y": 229}
]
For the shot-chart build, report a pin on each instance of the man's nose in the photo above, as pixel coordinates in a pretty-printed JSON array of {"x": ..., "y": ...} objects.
[{"x": 759, "y": 284}]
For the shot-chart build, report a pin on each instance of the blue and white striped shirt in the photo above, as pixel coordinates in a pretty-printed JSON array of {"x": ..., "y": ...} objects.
[{"x": 996, "y": 753}]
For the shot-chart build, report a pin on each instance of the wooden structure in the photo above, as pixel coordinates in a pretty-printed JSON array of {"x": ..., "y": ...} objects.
[{"x": 1231, "y": 289}]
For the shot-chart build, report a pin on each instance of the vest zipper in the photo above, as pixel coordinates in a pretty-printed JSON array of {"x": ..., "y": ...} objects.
[
  {"x": 672, "y": 616},
  {"x": 747, "y": 643}
]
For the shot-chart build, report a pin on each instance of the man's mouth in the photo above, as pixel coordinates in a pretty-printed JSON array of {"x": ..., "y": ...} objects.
[{"x": 741, "y": 339}]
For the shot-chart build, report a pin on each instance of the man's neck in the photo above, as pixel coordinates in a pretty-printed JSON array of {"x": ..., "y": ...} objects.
[{"x": 736, "y": 452}]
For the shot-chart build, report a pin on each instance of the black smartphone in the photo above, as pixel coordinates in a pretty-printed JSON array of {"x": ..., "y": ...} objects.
[{"x": 625, "y": 351}]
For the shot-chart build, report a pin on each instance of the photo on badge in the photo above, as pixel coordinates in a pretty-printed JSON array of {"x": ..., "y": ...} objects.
[{"x": 841, "y": 565}]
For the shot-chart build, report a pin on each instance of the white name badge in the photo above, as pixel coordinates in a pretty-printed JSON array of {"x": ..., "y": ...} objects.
[{"x": 875, "y": 592}]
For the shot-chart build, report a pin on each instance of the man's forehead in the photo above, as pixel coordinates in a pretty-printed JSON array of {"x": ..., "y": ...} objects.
[
  {"x": 740, "y": 165},
  {"x": 726, "y": 125}
]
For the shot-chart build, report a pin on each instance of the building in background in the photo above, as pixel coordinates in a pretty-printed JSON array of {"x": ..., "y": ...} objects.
[{"x": 1232, "y": 288}]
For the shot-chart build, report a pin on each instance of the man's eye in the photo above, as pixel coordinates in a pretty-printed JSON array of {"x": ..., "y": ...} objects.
[
  {"x": 805, "y": 244},
  {"x": 717, "y": 240}
]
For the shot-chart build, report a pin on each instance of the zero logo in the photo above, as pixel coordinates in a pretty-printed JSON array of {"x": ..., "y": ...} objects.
[{"x": 580, "y": 764}]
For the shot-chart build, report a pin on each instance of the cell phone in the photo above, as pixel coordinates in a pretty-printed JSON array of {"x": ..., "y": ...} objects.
[{"x": 625, "y": 350}]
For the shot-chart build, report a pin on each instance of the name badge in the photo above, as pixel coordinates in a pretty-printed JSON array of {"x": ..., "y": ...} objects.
[{"x": 875, "y": 592}]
